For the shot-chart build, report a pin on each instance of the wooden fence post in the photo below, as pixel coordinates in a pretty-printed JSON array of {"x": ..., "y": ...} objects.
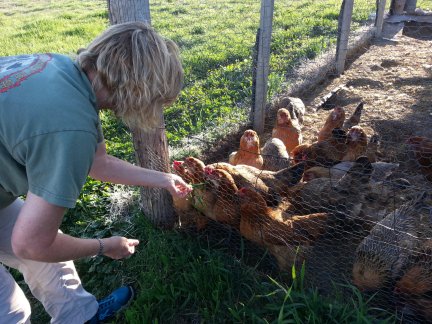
[
  {"x": 120, "y": 11},
  {"x": 343, "y": 34},
  {"x": 262, "y": 68},
  {"x": 379, "y": 20},
  {"x": 151, "y": 148}
]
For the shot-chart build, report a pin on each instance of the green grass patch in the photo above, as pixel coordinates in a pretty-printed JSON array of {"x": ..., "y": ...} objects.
[{"x": 216, "y": 41}]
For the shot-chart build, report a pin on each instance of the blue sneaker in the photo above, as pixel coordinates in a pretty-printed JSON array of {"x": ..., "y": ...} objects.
[{"x": 112, "y": 304}]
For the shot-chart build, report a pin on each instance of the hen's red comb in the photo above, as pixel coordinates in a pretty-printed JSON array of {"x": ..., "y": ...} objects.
[
  {"x": 242, "y": 191},
  {"x": 209, "y": 169}
]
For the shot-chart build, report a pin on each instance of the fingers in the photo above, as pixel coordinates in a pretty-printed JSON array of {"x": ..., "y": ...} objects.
[
  {"x": 120, "y": 247},
  {"x": 178, "y": 187},
  {"x": 132, "y": 242},
  {"x": 131, "y": 245},
  {"x": 182, "y": 190}
]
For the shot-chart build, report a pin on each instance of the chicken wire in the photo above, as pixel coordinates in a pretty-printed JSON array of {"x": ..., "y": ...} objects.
[
  {"x": 354, "y": 206},
  {"x": 360, "y": 219}
]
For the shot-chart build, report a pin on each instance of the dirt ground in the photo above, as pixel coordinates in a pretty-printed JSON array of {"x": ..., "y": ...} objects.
[{"x": 394, "y": 80}]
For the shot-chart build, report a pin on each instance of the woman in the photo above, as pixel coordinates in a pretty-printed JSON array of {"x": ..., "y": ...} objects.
[{"x": 51, "y": 139}]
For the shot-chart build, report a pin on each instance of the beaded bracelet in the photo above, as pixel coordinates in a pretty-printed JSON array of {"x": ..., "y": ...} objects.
[{"x": 101, "y": 247}]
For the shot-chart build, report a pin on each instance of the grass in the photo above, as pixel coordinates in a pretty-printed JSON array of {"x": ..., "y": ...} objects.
[
  {"x": 217, "y": 64},
  {"x": 190, "y": 281},
  {"x": 180, "y": 277}
]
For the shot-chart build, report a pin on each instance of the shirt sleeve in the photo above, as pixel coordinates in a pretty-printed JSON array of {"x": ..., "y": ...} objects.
[{"x": 57, "y": 164}]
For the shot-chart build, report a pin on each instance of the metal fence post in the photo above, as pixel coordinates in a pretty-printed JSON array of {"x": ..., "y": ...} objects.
[
  {"x": 343, "y": 34},
  {"x": 379, "y": 17},
  {"x": 262, "y": 71}
]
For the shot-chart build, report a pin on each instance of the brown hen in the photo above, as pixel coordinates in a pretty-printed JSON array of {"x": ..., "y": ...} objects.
[
  {"x": 249, "y": 151},
  {"x": 264, "y": 225},
  {"x": 184, "y": 206},
  {"x": 273, "y": 185},
  {"x": 356, "y": 143},
  {"x": 225, "y": 209},
  {"x": 324, "y": 153},
  {"x": 203, "y": 195},
  {"x": 334, "y": 120},
  {"x": 324, "y": 194},
  {"x": 287, "y": 129},
  {"x": 354, "y": 119}
]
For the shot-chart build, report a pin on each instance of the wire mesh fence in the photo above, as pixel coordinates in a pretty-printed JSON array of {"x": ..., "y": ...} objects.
[{"x": 340, "y": 179}]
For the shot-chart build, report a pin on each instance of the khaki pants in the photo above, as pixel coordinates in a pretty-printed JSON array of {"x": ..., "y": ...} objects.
[{"x": 56, "y": 285}]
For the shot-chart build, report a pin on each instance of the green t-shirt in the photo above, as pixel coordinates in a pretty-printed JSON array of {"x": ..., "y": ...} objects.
[{"x": 49, "y": 128}]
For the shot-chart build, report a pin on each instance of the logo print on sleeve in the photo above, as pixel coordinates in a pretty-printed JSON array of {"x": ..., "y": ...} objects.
[{"x": 15, "y": 70}]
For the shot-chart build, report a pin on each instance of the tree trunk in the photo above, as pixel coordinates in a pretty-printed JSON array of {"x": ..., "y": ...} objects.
[
  {"x": 151, "y": 148},
  {"x": 120, "y": 11}
]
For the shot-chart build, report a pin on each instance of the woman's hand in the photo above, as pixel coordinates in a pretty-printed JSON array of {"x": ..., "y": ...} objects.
[
  {"x": 117, "y": 247},
  {"x": 177, "y": 187}
]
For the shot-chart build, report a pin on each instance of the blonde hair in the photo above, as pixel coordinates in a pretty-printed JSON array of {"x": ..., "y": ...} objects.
[{"x": 140, "y": 69}]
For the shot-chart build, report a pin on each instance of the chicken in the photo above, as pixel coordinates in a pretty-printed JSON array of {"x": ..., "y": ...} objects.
[
  {"x": 324, "y": 153},
  {"x": 382, "y": 255},
  {"x": 272, "y": 226},
  {"x": 289, "y": 256},
  {"x": 203, "y": 195},
  {"x": 273, "y": 185},
  {"x": 372, "y": 151},
  {"x": 275, "y": 155},
  {"x": 300, "y": 153},
  {"x": 415, "y": 285},
  {"x": 354, "y": 119},
  {"x": 422, "y": 148},
  {"x": 249, "y": 151},
  {"x": 183, "y": 206},
  {"x": 287, "y": 237},
  {"x": 381, "y": 199},
  {"x": 356, "y": 143},
  {"x": 379, "y": 196},
  {"x": 278, "y": 182},
  {"x": 287, "y": 130},
  {"x": 343, "y": 196},
  {"x": 245, "y": 175},
  {"x": 322, "y": 172},
  {"x": 194, "y": 169},
  {"x": 180, "y": 169},
  {"x": 225, "y": 209},
  {"x": 334, "y": 120}
]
